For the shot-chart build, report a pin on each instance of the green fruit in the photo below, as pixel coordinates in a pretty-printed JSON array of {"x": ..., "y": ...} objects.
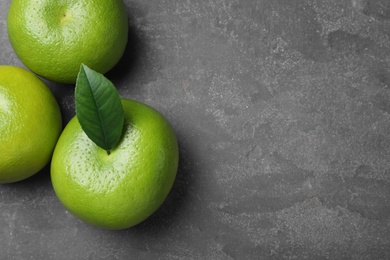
[
  {"x": 123, "y": 188},
  {"x": 30, "y": 124},
  {"x": 53, "y": 37}
]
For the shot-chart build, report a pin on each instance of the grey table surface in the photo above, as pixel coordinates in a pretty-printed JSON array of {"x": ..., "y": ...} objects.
[{"x": 282, "y": 112}]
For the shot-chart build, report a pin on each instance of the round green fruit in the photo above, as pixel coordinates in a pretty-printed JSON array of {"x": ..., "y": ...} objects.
[
  {"x": 30, "y": 124},
  {"x": 53, "y": 37},
  {"x": 122, "y": 188}
]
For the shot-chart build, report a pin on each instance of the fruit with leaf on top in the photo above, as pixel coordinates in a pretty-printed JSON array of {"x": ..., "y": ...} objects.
[
  {"x": 30, "y": 124},
  {"x": 53, "y": 37},
  {"x": 116, "y": 160}
]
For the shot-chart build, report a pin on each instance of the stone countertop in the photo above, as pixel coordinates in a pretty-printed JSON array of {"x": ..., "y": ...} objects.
[{"x": 282, "y": 112}]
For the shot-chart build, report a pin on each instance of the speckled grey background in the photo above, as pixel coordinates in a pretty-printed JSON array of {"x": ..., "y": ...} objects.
[{"x": 282, "y": 112}]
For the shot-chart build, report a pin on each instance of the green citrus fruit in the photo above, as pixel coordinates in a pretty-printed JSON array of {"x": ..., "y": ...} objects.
[
  {"x": 53, "y": 37},
  {"x": 30, "y": 124},
  {"x": 123, "y": 188}
]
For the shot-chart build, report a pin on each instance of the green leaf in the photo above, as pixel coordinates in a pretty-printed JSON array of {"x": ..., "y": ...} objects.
[{"x": 98, "y": 108}]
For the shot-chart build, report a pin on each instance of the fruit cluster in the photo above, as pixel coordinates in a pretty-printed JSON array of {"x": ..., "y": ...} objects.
[{"x": 115, "y": 162}]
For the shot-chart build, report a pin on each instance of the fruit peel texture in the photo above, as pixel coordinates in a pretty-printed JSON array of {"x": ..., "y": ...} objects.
[
  {"x": 30, "y": 124},
  {"x": 52, "y": 37},
  {"x": 122, "y": 189}
]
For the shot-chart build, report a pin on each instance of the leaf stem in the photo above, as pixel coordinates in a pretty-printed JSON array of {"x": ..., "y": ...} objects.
[{"x": 108, "y": 152}]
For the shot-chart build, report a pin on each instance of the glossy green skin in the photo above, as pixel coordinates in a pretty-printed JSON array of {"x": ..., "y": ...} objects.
[
  {"x": 30, "y": 124},
  {"x": 122, "y": 189},
  {"x": 54, "y": 37}
]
